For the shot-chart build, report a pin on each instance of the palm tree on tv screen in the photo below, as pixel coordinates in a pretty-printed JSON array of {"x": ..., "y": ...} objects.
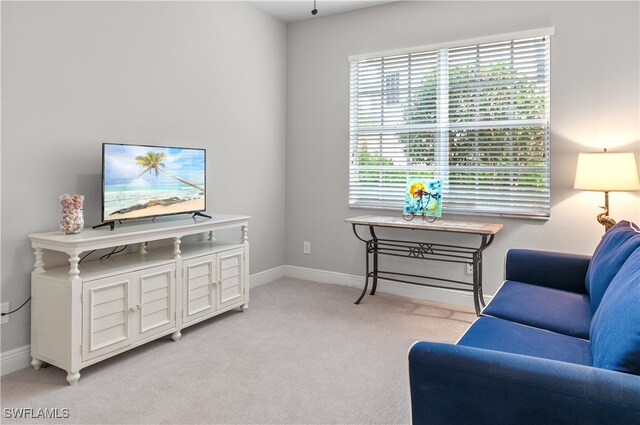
[{"x": 152, "y": 162}]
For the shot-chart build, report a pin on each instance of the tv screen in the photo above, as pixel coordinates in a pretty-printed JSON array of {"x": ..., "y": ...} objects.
[{"x": 146, "y": 181}]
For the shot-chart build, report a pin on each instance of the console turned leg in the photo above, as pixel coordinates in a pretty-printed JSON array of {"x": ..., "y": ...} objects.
[
  {"x": 39, "y": 264},
  {"x": 36, "y": 363},
  {"x": 74, "y": 260},
  {"x": 176, "y": 248},
  {"x": 244, "y": 307},
  {"x": 244, "y": 238},
  {"x": 73, "y": 377},
  {"x": 176, "y": 336}
]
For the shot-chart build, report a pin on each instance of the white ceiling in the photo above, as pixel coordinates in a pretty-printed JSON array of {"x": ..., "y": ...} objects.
[{"x": 297, "y": 10}]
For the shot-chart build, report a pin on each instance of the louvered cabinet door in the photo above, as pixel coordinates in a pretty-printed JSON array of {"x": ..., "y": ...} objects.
[
  {"x": 198, "y": 277},
  {"x": 231, "y": 278},
  {"x": 156, "y": 307},
  {"x": 106, "y": 309}
]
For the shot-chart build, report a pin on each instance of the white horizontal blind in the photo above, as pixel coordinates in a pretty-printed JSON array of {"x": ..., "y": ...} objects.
[{"x": 475, "y": 116}]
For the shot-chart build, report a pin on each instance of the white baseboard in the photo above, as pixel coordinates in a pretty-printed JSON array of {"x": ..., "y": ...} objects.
[
  {"x": 16, "y": 359},
  {"x": 266, "y": 276},
  {"x": 324, "y": 276},
  {"x": 444, "y": 295}
]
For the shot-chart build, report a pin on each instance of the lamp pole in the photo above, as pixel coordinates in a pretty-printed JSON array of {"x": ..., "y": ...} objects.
[{"x": 603, "y": 217}]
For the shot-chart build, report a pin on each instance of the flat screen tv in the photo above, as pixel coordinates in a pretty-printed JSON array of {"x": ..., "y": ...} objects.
[{"x": 141, "y": 181}]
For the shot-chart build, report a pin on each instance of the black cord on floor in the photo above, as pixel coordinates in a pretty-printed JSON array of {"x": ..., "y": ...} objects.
[{"x": 23, "y": 304}]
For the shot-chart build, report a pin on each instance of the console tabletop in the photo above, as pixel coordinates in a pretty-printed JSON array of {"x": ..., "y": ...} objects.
[
  {"x": 135, "y": 232},
  {"x": 418, "y": 223}
]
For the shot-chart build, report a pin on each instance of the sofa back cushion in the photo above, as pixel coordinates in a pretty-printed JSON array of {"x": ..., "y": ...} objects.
[
  {"x": 613, "y": 250},
  {"x": 615, "y": 328}
]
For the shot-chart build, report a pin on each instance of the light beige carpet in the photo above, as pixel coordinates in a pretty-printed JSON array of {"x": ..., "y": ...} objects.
[{"x": 302, "y": 353}]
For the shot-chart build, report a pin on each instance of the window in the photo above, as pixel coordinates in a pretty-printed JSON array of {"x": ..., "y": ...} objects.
[{"x": 474, "y": 114}]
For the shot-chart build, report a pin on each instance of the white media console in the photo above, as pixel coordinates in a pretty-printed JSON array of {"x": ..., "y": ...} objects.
[{"x": 89, "y": 311}]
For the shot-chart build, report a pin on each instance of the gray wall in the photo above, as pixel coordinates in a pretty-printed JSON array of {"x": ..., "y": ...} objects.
[
  {"x": 217, "y": 75},
  {"x": 77, "y": 74},
  {"x": 595, "y": 85}
]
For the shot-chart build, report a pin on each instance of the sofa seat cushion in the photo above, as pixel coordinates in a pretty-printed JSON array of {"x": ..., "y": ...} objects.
[
  {"x": 501, "y": 335},
  {"x": 551, "y": 309},
  {"x": 614, "y": 248},
  {"x": 615, "y": 328}
]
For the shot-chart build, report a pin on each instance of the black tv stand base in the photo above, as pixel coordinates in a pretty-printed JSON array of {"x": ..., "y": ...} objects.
[
  {"x": 199, "y": 214},
  {"x": 111, "y": 224}
]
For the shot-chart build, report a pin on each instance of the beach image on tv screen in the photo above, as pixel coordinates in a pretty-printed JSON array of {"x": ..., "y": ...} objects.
[{"x": 143, "y": 181}]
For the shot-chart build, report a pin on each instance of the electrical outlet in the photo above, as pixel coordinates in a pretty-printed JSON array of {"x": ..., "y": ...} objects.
[
  {"x": 469, "y": 268},
  {"x": 307, "y": 248},
  {"x": 4, "y": 308}
]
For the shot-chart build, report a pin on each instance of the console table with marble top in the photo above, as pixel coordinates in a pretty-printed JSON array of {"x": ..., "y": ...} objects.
[{"x": 424, "y": 250}]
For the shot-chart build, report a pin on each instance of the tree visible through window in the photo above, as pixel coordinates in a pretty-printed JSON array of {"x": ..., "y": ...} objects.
[{"x": 475, "y": 116}]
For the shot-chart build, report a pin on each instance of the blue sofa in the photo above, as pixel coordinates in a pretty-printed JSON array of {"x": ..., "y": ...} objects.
[{"x": 559, "y": 343}]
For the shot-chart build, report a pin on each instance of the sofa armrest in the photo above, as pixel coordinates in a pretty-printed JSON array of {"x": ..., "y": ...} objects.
[
  {"x": 544, "y": 268},
  {"x": 453, "y": 384}
]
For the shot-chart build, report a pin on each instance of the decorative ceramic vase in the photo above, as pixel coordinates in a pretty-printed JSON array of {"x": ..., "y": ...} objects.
[{"x": 72, "y": 220}]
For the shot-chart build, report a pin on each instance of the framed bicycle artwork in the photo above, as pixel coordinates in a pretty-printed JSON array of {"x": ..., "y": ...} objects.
[{"x": 423, "y": 197}]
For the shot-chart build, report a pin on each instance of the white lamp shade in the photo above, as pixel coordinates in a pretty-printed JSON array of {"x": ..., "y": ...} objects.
[{"x": 607, "y": 172}]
